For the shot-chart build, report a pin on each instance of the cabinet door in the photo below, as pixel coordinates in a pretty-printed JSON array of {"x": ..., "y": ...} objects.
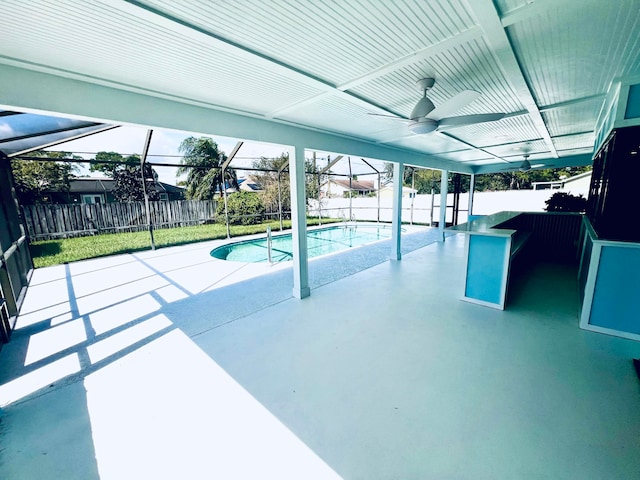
[{"x": 620, "y": 188}]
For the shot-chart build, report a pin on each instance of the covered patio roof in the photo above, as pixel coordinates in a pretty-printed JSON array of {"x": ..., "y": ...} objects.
[
  {"x": 311, "y": 73},
  {"x": 148, "y": 365}
]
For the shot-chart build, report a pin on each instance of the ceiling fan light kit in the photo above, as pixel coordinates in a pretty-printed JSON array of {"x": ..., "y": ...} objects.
[
  {"x": 526, "y": 165},
  {"x": 423, "y": 125}
]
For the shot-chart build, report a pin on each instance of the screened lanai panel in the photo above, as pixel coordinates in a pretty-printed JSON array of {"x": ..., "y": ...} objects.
[{"x": 20, "y": 132}]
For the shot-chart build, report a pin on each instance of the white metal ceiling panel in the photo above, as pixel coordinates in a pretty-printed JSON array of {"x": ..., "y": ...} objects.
[
  {"x": 469, "y": 66},
  {"x": 574, "y": 49},
  {"x": 291, "y": 59},
  {"x": 579, "y": 117},
  {"x": 334, "y": 113},
  {"x": 574, "y": 142},
  {"x": 472, "y": 157},
  {"x": 431, "y": 143},
  {"x": 508, "y": 130},
  {"x": 103, "y": 43},
  {"x": 518, "y": 148},
  {"x": 333, "y": 41}
]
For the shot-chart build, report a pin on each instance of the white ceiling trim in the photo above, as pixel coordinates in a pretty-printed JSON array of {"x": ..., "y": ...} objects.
[
  {"x": 526, "y": 11},
  {"x": 575, "y": 101},
  {"x": 489, "y": 20}
]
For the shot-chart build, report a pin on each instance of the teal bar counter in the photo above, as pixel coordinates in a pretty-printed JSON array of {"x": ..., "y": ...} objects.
[
  {"x": 609, "y": 282},
  {"x": 490, "y": 248},
  {"x": 495, "y": 241}
]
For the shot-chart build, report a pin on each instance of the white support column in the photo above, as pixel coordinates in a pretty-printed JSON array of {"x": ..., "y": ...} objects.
[
  {"x": 398, "y": 174},
  {"x": 444, "y": 190},
  {"x": 472, "y": 189},
  {"x": 299, "y": 223}
]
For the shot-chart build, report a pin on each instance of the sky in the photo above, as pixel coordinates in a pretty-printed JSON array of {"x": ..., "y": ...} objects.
[{"x": 164, "y": 145}]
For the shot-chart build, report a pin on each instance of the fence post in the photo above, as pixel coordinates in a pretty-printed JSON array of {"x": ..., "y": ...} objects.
[{"x": 147, "y": 142}]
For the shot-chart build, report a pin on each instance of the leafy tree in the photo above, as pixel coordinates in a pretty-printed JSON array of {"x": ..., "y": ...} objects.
[
  {"x": 202, "y": 164},
  {"x": 565, "y": 202},
  {"x": 424, "y": 179},
  {"x": 110, "y": 162},
  {"x": 524, "y": 180},
  {"x": 268, "y": 179},
  {"x": 35, "y": 180},
  {"x": 244, "y": 208},
  {"x": 128, "y": 182}
]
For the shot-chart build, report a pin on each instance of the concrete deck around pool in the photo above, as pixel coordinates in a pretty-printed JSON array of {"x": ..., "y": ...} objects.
[{"x": 170, "y": 364}]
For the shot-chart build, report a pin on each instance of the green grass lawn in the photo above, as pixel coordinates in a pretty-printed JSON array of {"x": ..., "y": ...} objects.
[{"x": 65, "y": 250}]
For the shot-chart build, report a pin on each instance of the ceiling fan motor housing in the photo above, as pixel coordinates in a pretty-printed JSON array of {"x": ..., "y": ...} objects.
[{"x": 423, "y": 125}]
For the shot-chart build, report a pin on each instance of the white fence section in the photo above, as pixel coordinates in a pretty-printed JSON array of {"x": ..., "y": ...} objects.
[{"x": 418, "y": 209}]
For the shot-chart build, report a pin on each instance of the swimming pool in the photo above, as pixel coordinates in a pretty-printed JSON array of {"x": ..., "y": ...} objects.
[{"x": 319, "y": 242}]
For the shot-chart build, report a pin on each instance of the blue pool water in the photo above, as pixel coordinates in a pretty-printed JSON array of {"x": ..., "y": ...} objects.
[{"x": 319, "y": 242}]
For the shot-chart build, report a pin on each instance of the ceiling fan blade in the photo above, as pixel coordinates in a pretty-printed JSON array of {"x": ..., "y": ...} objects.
[
  {"x": 389, "y": 117},
  {"x": 454, "y": 104},
  {"x": 470, "y": 119}
]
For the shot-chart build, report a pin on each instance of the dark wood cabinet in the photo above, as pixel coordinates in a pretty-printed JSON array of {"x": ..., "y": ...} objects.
[{"x": 614, "y": 194}]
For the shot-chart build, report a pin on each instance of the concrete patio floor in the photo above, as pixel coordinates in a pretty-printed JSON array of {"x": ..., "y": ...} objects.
[{"x": 171, "y": 364}]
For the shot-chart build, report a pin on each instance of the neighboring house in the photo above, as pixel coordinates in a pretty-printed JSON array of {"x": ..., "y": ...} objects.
[
  {"x": 407, "y": 192},
  {"x": 340, "y": 187},
  {"x": 249, "y": 184},
  {"x": 100, "y": 190}
]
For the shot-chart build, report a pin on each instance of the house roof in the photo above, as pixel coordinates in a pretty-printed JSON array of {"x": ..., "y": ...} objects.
[
  {"x": 102, "y": 185},
  {"x": 91, "y": 185},
  {"x": 547, "y": 65}
]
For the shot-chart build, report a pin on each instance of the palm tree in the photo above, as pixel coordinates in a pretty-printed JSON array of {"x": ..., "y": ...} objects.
[{"x": 203, "y": 166}]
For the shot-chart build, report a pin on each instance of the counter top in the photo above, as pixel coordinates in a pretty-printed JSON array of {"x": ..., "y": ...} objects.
[{"x": 487, "y": 225}]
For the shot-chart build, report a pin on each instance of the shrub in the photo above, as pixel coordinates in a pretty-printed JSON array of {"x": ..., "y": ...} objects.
[
  {"x": 565, "y": 202},
  {"x": 245, "y": 208}
]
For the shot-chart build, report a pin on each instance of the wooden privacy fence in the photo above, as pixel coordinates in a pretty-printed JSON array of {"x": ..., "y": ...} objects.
[{"x": 46, "y": 222}]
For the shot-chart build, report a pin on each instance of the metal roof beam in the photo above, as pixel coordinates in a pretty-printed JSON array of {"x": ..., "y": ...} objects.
[
  {"x": 48, "y": 132},
  {"x": 116, "y": 105},
  {"x": 331, "y": 164},
  {"x": 67, "y": 139},
  {"x": 232, "y": 155},
  {"x": 497, "y": 39}
]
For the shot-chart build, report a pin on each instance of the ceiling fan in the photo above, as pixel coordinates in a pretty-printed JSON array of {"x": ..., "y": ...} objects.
[
  {"x": 426, "y": 117},
  {"x": 525, "y": 166}
]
